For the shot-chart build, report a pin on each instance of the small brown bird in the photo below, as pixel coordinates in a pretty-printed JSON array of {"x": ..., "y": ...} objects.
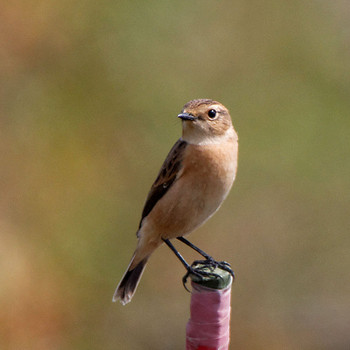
[{"x": 192, "y": 183}]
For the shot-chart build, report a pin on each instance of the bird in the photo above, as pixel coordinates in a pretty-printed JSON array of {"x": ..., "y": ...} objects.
[{"x": 191, "y": 185}]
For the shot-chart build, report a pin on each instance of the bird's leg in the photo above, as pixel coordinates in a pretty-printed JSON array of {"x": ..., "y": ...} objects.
[
  {"x": 178, "y": 255},
  {"x": 198, "y": 250},
  {"x": 190, "y": 268},
  {"x": 209, "y": 261}
]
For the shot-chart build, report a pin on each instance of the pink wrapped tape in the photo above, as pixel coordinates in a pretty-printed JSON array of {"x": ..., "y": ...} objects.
[{"x": 209, "y": 325}]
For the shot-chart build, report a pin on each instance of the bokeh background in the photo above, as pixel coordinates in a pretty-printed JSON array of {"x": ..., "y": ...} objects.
[{"x": 89, "y": 95}]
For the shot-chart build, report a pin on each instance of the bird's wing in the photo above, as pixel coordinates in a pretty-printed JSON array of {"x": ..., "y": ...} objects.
[{"x": 166, "y": 177}]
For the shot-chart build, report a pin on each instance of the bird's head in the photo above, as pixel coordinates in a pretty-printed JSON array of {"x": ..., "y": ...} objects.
[{"x": 205, "y": 121}]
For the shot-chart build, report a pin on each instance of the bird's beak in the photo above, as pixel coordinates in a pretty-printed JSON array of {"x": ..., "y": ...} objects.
[{"x": 186, "y": 116}]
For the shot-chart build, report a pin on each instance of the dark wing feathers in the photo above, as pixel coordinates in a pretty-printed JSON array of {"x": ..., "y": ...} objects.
[{"x": 165, "y": 178}]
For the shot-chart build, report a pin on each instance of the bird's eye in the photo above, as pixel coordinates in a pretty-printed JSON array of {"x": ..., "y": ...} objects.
[{"x": 212, "y": 114}]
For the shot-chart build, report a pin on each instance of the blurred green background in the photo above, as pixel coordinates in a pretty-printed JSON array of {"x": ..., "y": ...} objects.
[{"x": 89, "y": 95}]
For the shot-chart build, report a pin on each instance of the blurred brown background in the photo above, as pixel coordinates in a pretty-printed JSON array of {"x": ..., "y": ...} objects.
[{"x": 89, "y": 95}]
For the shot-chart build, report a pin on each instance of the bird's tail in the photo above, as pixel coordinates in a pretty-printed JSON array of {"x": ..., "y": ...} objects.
[{"x": 128, "y": 284}]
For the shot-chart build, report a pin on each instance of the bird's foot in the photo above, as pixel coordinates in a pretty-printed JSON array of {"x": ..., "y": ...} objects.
[
  {"x": 213, "y": 264},
  {"x": 198, "y": 273},
  {"x": 201, "y": 269}
]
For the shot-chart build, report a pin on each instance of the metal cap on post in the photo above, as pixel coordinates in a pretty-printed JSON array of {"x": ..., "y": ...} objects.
[{"x": 209, "y": 325}]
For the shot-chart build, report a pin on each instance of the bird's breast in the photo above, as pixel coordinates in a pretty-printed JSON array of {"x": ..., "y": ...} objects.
[
  {"x": 204, "y": 181},
  {"x": 210, "y": 171}
]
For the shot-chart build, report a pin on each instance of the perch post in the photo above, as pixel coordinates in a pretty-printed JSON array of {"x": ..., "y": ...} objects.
[{"x": 209, "y": 325}]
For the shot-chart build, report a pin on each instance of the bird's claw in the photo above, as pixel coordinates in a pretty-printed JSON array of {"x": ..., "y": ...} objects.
[
  {"x": 198, "y": 269},
  {"x": 213, "y": 264},
  {"x": 197, "y": 272}
]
